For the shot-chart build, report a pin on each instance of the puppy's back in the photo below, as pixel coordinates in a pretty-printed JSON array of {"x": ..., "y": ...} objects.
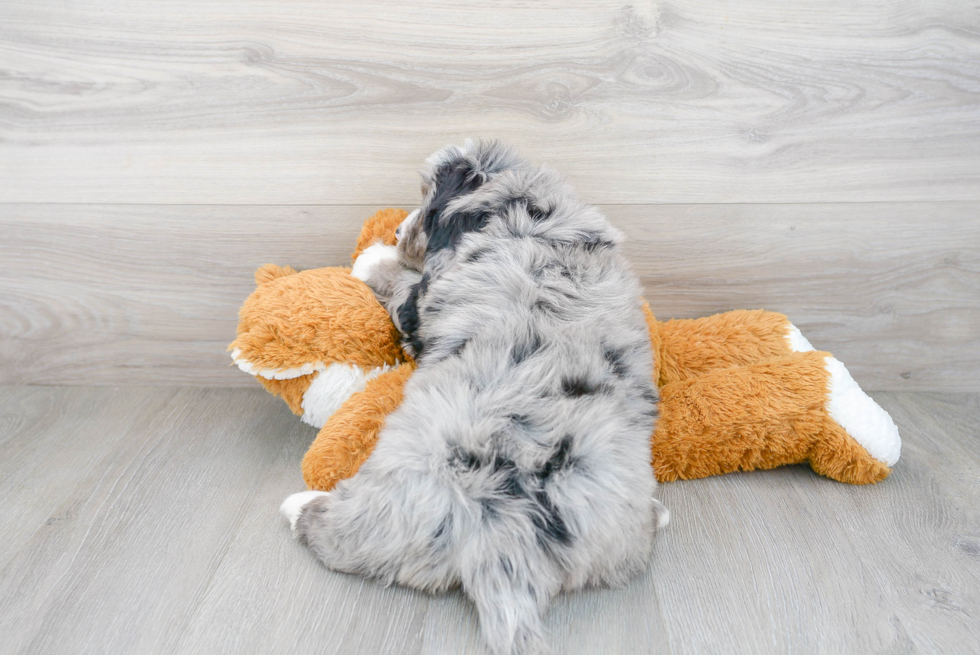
[
  {"x": 518, "y": 463},
  {"x": 535, "y": 387}
]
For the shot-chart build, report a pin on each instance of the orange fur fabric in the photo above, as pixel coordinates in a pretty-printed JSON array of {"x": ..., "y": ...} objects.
[
  {"x": 301, "y": 320},
  {"x": 291, "y": 390},
  {"x": 757, "y": 416},
  {"x": 348, "y": 438},
  {"x": 693, "y": 347},
  {"x": 736, "y": 394}
]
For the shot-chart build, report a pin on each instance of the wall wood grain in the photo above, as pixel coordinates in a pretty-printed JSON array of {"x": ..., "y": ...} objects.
[
  {"x": 255, "y": 102},
  {"x": 111, "y": 294}
]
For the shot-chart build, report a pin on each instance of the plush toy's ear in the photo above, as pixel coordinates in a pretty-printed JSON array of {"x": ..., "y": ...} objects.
[
  {"x": 380, "y": 227},
  {"x": 270, "y": 272}
]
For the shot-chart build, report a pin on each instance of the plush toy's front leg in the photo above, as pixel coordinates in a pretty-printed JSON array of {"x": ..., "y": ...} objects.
[
  {"x": 348, "y": 437},
  {"x": 693, "y": 347},
  {"x": 803, "y": 407}
]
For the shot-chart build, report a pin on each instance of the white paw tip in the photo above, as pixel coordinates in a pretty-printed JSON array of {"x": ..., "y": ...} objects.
[
  {"x": 862, "y": 418},
  {"x": 797, "y": 342},
  {"x": 369, "y": 259},
  {"x": 293, "y": 506},
  {"x": 662, "y": 513}
]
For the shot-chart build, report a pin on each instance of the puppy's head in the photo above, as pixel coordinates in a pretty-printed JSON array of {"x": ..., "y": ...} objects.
[{"x": 449, "y": 175}]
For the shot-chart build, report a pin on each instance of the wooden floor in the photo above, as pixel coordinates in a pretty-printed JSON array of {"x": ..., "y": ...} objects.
[{"x": 144, "y": 520}]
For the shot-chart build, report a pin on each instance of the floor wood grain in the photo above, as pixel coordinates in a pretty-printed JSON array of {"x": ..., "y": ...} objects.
[
  {"x": 50, "y": 443},
  {"x": 200, "y": 101},
  {"x": 163, "y": 537},
  {"x": 134, "y": 540},
  {"x": 112, "y": 294}
]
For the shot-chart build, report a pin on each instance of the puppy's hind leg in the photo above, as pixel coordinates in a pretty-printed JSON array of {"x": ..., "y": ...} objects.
[
  {"x": 395, "y": 526},
  {"x": 293, "y": 506}
]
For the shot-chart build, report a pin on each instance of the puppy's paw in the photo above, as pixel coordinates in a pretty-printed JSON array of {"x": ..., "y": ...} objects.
[
  {"x": 293, "y": 506},
  {"x": 405, "y": 224},
  {"x": 371, "y": 258}
]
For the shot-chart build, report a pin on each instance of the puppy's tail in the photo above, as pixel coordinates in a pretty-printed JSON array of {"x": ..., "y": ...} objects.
[{"x": 510, "y": 606}]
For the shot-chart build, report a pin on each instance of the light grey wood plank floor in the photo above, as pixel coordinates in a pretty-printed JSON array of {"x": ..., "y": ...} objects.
[
  {"x": 251, "y": 102},
  {"x": 144, "y": 520},
  {"x": 114, "y": 294}
]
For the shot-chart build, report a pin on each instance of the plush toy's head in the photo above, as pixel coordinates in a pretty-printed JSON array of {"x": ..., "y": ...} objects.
[{"x": 317, "y": 336}]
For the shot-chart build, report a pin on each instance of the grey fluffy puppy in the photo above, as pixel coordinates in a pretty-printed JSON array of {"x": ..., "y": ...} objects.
[{"x": 518, "y": 464}]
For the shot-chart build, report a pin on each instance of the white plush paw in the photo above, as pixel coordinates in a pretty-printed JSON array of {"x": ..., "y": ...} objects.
[
  {"x": 332, "y": 387},
  {"x": 860, "y": 416},
  {"x": 293, "y": 506},
  {"x": 370, "y": 258},
  {"x": 797, "y": 342}
]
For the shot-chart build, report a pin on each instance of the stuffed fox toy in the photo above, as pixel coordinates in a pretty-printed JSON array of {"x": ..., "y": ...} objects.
[{"x": 739, "y": 391}]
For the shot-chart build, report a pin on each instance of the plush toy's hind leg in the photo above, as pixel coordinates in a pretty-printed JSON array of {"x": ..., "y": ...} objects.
[
  {"x": 803, "y": 407},
  {"x": 693, "y": 347},
  {"x": 348, "y": 437}
]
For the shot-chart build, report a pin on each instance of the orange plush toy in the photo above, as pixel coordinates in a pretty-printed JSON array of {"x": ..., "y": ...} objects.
[{"x": 739, "y": 391}]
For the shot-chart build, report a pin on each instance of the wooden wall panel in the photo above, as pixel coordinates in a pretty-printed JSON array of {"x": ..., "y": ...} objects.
[
  {"x": 309, "y": 102},
  {"x": 111, "y": 294}
]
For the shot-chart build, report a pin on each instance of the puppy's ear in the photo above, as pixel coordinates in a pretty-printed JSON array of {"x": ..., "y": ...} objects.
[{"x": 454, "y": 179}]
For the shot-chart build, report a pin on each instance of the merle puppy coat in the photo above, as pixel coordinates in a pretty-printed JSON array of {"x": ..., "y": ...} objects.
[{"x": 518, "y": 464}]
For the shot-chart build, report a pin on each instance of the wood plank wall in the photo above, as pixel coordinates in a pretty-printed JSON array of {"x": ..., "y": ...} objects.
[{"x": 820, "y": 159}]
